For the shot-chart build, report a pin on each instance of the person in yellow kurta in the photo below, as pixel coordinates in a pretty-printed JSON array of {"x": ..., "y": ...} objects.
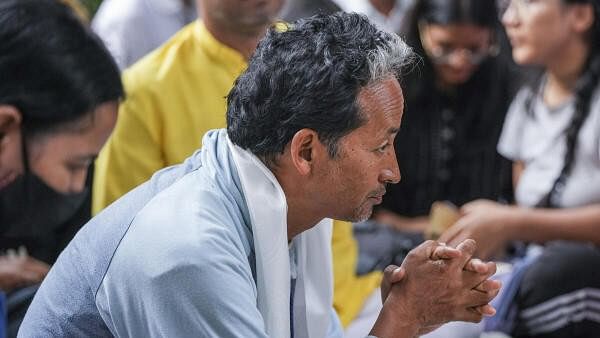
[{"x": 176, "y": 94}]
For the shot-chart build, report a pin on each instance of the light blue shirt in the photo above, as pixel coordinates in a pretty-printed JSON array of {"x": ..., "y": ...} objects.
[{"x": 173, "y": 258}]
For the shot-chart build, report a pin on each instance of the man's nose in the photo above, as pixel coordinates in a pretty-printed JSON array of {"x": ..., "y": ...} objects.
[{"x": 391, "y": 174}]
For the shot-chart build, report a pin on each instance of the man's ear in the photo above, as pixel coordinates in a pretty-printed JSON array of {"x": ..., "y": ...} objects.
[
  {"x": 10, "y": 120},
  {"x": 303, "y": 146}
]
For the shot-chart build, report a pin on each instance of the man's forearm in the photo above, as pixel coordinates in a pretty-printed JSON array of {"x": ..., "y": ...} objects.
[{"x": 393, "y": 324}]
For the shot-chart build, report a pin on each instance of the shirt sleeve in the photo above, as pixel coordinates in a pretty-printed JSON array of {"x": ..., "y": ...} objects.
[{"x": 510, "y": 142}]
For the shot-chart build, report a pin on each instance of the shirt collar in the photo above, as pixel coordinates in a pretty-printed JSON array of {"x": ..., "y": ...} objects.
[{"x": 233, "y": 60}]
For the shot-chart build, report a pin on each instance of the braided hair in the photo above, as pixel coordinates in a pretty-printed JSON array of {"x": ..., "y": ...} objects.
[{"x": 584, "y": 89}]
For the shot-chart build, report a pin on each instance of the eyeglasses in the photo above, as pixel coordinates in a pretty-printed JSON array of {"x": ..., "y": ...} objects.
[
  {"x": 521, "y": 7},
  {"x": 445, "y": 55}
]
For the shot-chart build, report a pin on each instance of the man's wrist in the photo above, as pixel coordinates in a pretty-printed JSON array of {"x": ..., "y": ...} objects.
[{"x": 394, "y": 322}]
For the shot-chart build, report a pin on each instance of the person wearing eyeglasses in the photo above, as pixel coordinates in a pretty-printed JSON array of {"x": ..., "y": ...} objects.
[
  {"x": 455, "y": 105},
  {"x": 552, "y": 134}
]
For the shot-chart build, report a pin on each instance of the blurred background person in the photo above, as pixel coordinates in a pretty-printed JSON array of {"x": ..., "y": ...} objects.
[
  {"x": 133, "y": 28},
  {"x": 58, "y": 105},
  {"x": 455, "y": 106},
  {"x": 552, "y": 135},
  {"x": 177, "y": 93}
]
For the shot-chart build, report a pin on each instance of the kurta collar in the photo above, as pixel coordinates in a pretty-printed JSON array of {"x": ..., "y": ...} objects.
[{"x": 230, "y": 58}]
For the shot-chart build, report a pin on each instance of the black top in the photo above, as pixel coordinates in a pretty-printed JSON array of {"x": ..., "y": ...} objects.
[{"x": 446, "y": 146}]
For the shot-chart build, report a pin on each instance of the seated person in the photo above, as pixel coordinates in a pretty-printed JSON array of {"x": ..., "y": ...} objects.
[
  {"x": 58, "y": 104},
  {"x": 455, "y": 105},
  {"x": 177, "y": 94},
  {"x": 235, "y": 242},
  {"x": 552, "y": 135}
]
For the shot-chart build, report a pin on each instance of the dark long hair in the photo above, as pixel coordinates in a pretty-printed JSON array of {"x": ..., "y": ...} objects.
[
  {"x": 53, "y": 69},
  {"x": 584, "y": 89}
]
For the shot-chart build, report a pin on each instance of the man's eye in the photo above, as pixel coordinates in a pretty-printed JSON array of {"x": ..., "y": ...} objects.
[{"x": 383, "y": 148}]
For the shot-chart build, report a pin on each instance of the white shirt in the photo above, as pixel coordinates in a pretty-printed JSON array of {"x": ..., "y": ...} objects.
[
  {"x": 391, "y": 22},
  {"x": 133, "y": 28},
  {"x": 538, "y": 140}
]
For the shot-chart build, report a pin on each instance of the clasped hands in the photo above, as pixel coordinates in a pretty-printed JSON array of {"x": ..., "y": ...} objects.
[{"x": 434, "y": 285}]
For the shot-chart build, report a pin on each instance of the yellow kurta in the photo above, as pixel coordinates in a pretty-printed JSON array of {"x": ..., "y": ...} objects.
[
  {"x": 174, "y": 96},
  {"x": 349, "y": 290}
]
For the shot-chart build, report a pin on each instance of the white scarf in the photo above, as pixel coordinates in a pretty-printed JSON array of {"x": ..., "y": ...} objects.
[{"x": 313, "y": 295}]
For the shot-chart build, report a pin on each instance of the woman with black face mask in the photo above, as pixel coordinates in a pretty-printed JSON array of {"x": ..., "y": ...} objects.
[{"x": 59, "y": 92}]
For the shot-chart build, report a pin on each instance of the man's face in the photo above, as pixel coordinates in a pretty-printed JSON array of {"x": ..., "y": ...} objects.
[
  {"x": 242, "y": 16},
  {"x": 354, "y": 181}
]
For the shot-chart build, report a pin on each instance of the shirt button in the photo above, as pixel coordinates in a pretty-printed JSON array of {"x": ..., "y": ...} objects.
[
  {"x": 447, "y": 134},
  {"x": 443, "y": 174},
  {"x": 447, "y": 114}
]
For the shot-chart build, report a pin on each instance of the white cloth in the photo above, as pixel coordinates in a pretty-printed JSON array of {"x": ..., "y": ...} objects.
[
  {"x": 365, "y": 320},
  {"x": 392, "y": 22},
  {"x": 314, "y": 287},
  {"x": 537, "y": 139},
  {"x": 133, "y": 28}
]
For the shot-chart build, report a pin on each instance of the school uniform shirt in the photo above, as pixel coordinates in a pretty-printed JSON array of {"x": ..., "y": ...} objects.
[{"x": 536, "y": 138}]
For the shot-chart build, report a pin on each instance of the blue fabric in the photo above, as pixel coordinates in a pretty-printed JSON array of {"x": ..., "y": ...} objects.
[
  {"x": 2, "y": 315},
  {"x": 173, "y": 258},
  {"x": 506, "y": 310}
]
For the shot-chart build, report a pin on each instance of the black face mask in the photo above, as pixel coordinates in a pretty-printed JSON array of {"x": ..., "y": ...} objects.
[{"x": 31, "y": 208}]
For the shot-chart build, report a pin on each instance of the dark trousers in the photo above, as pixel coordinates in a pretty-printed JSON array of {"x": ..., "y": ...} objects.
[{"x": 560, "y": 293}]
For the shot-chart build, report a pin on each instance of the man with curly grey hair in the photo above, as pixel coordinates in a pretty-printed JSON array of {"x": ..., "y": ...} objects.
[{"x": 235, "y": 242}]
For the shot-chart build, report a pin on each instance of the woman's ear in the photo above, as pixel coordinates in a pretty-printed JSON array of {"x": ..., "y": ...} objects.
[
  {"x": 10, "y": 141},
  {"x": 10, "y": 120},
  {"x": 583, "y": 17}
]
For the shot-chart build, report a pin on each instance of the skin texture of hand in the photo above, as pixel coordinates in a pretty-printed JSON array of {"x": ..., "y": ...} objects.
[
  {"x": 436, "y": 284},
  {"x": 484, "y": 221},
  {"x": 16, "y": 272}
]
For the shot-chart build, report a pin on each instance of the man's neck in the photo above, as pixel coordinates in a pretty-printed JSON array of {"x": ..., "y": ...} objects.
[
  {"x": 298, "y": 220},
  {"x": 301, "y": 214},
  {"x": 245, "y": 43}
]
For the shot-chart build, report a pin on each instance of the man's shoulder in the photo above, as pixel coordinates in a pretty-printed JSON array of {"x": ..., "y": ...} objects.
[
  {"x": 191, "y": 214},
  {"x": 188, "y": 229}
]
